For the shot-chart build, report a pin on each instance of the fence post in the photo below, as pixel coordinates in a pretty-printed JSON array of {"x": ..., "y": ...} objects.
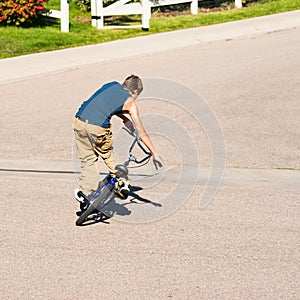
[
  {"x": 238, "y": 3},
  {"x": 194, "y": 7},
  {"x": 99, "y": 10},
  {"x": 64, "y": 20},
  {"x": 146, "y": 14},
  {"x": 94, "y": 12}
]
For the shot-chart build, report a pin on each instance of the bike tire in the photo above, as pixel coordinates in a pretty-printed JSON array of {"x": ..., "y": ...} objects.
[
  {"x": 84, "y": 215},
  {"x": 97, "y": 204}
]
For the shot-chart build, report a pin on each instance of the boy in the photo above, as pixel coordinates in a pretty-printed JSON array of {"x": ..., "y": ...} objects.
[{"x": 93, "y": 132}]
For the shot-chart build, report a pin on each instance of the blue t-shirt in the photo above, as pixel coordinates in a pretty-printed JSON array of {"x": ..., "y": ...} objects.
[{"x": 103, "y": 104}]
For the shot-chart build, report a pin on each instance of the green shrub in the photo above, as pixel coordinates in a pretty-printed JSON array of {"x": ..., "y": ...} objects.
[
  {"x": 85, "y": 5},
  {"x": 20, "y": 12}
]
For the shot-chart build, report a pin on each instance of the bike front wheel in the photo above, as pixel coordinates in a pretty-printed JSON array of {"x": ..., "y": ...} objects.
[
  {"x": 100, "y": 202},
  {"x": 85, "y": 214}
]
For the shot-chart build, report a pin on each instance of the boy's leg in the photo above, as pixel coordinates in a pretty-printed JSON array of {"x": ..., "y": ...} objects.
[
  {"x": 104, "y": 148},
  {"x": 102, "y": 140},
  {"x": 105, "y": 151},
  {"x": 89, "y": 177}
]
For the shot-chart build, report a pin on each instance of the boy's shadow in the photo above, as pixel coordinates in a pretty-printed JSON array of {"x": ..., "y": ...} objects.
[{"x": 115, "y": 208}]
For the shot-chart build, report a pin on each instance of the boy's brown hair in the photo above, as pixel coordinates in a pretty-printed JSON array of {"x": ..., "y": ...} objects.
[{"x": 133, "y": 83}]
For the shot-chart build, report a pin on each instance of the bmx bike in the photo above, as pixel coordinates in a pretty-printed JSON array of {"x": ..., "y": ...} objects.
[{"x": 109, "y": 187}]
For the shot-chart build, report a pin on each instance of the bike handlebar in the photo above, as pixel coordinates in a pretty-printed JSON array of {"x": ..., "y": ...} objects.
[{"x": 143, "y": 148}]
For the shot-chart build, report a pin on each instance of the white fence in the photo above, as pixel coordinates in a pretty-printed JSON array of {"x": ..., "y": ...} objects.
[
  {"x": 143, "y": 8},
  {"x": 119, "y": 8},
  {"x": 122, "y": 7},
  {"x": 62, "y": 14}
]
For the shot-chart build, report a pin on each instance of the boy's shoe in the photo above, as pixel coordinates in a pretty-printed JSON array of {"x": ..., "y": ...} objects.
[
  {"x": 79, "y": 197},
  {"x": 123, "y": 190},
  {"x": 83, "y": 203}
]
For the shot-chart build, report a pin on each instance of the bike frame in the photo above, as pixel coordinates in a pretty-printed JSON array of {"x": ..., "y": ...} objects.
[
  {"x": 97, "y": 201},
  {"x": 141, "y": 145}
]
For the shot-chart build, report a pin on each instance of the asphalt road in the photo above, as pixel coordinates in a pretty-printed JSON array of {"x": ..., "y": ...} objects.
[{"x": 243, "y": 245}]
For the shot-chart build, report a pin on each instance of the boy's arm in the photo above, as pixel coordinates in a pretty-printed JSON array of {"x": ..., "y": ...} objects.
[
  {"x": 133, "y": 111},
  {"x": 126, "y": 122},
  {"x": 124, "y": 118}
]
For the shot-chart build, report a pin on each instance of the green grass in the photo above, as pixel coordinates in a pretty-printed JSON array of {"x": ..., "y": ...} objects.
[{"x": 19, "y": 41}]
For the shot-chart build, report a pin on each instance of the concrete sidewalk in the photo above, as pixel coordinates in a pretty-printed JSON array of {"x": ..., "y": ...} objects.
[
  {"x": 28, "y": 66},
  {"x": 238, "y": 177}
]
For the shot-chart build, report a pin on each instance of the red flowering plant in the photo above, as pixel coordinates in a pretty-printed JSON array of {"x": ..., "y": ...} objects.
[{"x": 20, "y": 12}]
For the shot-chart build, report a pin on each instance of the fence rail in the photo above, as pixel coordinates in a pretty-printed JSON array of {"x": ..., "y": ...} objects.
[{"x": 119, "y": 8}]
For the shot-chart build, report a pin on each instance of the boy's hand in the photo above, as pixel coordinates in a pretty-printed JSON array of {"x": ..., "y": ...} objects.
[{"x": 158, "y": 161}]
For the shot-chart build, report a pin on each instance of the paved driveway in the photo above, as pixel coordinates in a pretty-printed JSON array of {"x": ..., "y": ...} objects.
[{"x": 243, "y": 245}]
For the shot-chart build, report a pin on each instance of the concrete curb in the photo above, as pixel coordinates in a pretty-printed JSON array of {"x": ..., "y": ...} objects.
[{"x": 259, "y": 178}]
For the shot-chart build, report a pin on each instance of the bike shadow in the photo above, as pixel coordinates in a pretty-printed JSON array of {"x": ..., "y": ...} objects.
[
  {"x": 118, "y": 207},
  {"x": 122, "y": 207},
  {"x": 136, "y": 196}
]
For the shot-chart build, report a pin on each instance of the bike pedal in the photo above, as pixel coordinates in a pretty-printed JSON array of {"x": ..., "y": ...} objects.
[
  {"x": 84, "y": 206},
  {"x": 123, "y": 194}
]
